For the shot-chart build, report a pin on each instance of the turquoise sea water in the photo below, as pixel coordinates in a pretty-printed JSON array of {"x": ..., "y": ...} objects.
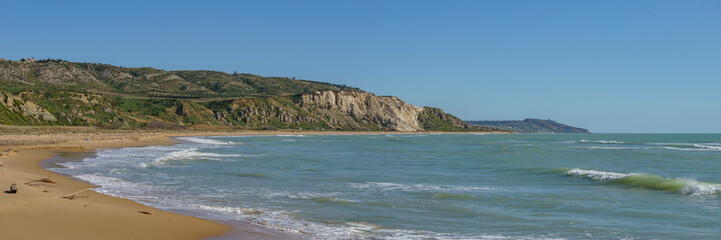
[{"x": 563, "y": 186}]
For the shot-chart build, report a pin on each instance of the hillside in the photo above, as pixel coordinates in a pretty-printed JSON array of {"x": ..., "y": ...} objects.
[
  {"x": 149, "y": 82},
  {"x": 61, "y": 93},
  {"x": 530, "y": 125}
]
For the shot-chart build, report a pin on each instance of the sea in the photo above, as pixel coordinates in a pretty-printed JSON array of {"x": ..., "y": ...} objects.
[{"x": 430, "y": 186}]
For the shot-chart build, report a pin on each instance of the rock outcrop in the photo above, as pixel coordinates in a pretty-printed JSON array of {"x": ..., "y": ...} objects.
[
  {"x": 389, "y": 112},
  {"x": 337, "y": 110},
  {"x": 25, "y": 107}
]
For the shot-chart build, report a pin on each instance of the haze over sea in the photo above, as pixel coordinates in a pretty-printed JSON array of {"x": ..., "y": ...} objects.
[{"x": 458, "y": 186}]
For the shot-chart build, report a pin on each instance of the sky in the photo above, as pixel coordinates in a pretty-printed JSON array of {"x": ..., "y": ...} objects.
[{"x": 608, "y": 66}]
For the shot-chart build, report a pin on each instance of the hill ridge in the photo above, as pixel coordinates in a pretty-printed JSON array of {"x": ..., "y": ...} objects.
[
  {"x": 150, "y": 82},
  {"x": 57, "y": 92}
]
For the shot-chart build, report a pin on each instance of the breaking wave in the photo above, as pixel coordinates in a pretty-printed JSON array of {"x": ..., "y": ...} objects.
[
  {"x": 690, "y": 146},
  {"x": 648, "y": 181},
  {"x": 186, "y": 154},
  {"x": 705, "y": 147}
]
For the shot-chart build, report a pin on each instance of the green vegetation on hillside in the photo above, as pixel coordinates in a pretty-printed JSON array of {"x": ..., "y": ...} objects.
[
  {"x": 434, "y": 119},
  {"x": 61, "y": 93},
  {"x": 149, "y": 82}
]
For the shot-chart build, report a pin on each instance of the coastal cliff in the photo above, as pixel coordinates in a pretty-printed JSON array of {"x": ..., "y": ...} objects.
[
  {"x": 61, "y": 93},
  {"x": 329, "y": 110},
  {"x": 322, "y": 110},
  {"x": 364, "y": 108}
]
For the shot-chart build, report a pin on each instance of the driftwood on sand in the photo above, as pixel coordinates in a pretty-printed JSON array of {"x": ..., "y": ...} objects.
[
  {"x": 38, "y": 182},
  {"x": 74, "y": 195}
]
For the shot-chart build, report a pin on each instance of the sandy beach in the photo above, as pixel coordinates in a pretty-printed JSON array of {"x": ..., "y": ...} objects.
[
  {"x": 65, "y": 208},
  {"x": 39, "y": 211}
]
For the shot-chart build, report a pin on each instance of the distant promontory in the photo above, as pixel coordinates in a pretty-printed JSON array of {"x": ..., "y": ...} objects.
[{"x": 530, "y": 125}]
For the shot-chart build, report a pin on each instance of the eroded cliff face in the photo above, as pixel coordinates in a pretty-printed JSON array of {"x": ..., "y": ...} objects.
[
  {"x": 388, "y": 112},
  {"x": 321, "y": 110}
]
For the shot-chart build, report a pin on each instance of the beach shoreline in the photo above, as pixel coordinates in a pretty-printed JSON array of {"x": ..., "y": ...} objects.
[{"x": 91, "y": 215}]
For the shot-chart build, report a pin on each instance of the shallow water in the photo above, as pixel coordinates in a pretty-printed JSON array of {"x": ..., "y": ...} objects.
[{"x": 563, "y": 186}]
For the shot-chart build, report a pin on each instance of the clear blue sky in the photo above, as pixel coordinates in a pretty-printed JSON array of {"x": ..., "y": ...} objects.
[{"x": 610, "y": 66}]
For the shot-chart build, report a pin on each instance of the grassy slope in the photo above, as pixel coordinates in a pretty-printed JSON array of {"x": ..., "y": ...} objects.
[
  {"x": 149, "y": 82},
  {"x": 435, "y": 119}
]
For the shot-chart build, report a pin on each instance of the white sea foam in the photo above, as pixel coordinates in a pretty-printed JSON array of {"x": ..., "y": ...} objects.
[
  {"x": 118, "y": 187},
  {"x": 307, "y": 195},
  {"x": 399, "y": 234},
  {"x": 704, "y": 147},
  {"x": 712, "y": 147},
  {"x": 385, "y": 186},
  {"x": 206, "y": 141},
  {"x": 186, "y": 154},
  {"x": 284, "y": 221},
  {"x": 326, "y": 197},
  {"x": 232, "y": 210},
  {"x": 596, "y": 175},
  {"x": 693, "y": 187},
  {"x": 281, "y": 220},
  {"x": 707, "y": 147},
  {"x": 331, "y": 197},
  {"x": 114, "y": 160},
  {"x": 600, "y": 141},
  {"x": 695, "y": 148},
  {"x": 606, "y": 148},
  {"x": 686, "y": 149}
]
